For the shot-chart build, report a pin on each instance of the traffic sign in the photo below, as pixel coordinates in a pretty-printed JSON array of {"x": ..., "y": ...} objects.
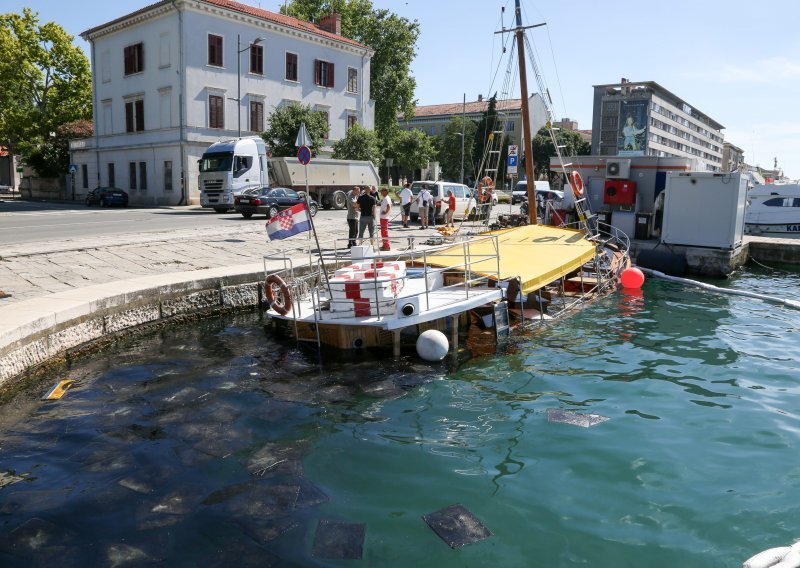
[
  {"x": 303, "y": 139},
  {"x": 304, "y": 155},
  {"x": 512, "y": 164},
  {"x": 73, "y": 168},
  {"x": 513, "y": 150}
]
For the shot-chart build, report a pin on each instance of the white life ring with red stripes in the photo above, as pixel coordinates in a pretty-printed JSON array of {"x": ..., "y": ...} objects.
[{"x": 283, "y": 305}]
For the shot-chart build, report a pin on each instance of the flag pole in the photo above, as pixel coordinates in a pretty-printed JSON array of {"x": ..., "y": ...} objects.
[{"x": 316, "y": 238}]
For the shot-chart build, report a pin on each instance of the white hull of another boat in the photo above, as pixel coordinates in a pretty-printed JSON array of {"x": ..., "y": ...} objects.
[{"x": 773, "y": 208}]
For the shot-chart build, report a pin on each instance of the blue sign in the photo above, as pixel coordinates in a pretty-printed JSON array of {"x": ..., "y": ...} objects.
[
  {"x": 304, "y": 155},
  {"x": 512, "y": 161}
]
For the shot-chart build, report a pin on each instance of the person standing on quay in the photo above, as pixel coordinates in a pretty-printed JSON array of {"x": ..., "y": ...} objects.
[
  {"x": 405, "y": 202},
  {"x": 424, "y": 200},
  {"x": 352, "y": 216},
  {"x": 451, "y": 209},
  {"x": 367, "y": 205},
  {"x": 386, "y": 207}
]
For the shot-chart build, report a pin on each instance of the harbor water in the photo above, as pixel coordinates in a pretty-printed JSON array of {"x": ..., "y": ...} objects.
[{"x": 655, "y": 429}]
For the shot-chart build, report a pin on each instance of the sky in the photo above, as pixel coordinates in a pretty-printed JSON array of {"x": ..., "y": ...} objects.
[{"x": 736, "y": 61}]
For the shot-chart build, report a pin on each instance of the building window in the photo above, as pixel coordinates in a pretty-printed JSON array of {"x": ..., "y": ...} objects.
[
  {"x": 142, "y": 175},
  {"x": 351, "y": 120},
  {"x": 257, "y": 59},
  {"x": 215, "y": 50},
  {"x": 352, "y": 80},
  {"x": 112, "y": 178},
  {"x": 134, "y": 115},
  {"x": 323, "y": 73},
  {"x": 132, "y": 175},
  {"x": 134, "y": 58},
  {"x": 168, "y": 175},
  {"x": 291, "y": 66},
  {"x": 216, "y": 111},
  {"x": 256, "y": 116},
  {"x": 85, "y": 175}
]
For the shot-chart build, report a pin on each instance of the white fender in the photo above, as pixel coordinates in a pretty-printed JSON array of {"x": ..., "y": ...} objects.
[
  {"x": 791, "y": 560},
  {"x": 767, "y": 558}
]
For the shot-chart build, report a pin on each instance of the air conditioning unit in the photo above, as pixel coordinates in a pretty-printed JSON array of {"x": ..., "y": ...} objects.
[{"x": 618, "y": 169}]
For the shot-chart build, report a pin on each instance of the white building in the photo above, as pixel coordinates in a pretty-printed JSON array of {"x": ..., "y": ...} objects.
[{"x": 167, "y": 84}]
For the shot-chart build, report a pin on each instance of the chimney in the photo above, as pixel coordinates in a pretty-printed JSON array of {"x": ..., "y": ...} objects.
[
  {"x": 332, "y": 23},
  {"x": 480, "y": 98}
]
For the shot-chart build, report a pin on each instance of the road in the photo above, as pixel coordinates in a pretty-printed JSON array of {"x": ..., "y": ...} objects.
[{"x": 29, "y": 222}]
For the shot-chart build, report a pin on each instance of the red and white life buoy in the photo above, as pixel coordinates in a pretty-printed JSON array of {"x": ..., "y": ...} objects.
[
  {"x": 576, "y": 181},
  {"x": 282, "y": 305}
]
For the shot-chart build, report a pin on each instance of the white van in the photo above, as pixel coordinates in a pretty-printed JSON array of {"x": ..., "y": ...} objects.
[
  {"x": 439, "y": 190},
  {"x": 520, "y": 192}
]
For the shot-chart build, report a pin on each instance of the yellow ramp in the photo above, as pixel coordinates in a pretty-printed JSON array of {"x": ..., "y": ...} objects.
[{"x": 538, "y": 254}]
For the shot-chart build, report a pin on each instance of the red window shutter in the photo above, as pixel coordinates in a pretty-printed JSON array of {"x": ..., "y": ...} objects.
[
  {"x": 127, "y": 58},
  {"x": 316, "y": 71},
  {"x": 129, "y": 117},
  {"x": 139, "y": 115},
  {"x": 330, "y": 75}
]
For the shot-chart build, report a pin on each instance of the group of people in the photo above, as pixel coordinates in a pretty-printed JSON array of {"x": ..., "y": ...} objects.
[{"x": 364, "y": 203}]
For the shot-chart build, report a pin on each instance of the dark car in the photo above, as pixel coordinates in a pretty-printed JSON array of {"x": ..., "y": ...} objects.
[
  {"x": 107, "y": 196},
  {"x": 270, "y": 201}
]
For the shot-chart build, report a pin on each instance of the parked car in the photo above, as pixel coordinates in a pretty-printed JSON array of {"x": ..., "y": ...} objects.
[
  {"x": 107, "y": 196},
  {"x": 439, "y": 191},
  {"x": 269, "y": 201},
  {"x": 521, "y": 191}
]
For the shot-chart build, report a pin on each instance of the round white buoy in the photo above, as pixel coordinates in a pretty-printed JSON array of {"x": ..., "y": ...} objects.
[{"x": 432, "y": 345}]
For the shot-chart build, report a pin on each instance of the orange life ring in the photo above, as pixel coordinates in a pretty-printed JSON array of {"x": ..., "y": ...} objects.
[
  {"x": 281, "y": 307},
  {"x": 576, "y": 181}
]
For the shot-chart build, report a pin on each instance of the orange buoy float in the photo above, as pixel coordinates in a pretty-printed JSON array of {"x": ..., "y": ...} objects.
[
  {"x": 282, "y": 305},
  {"x": 632, "y": 278},
  {"x": 576, "y": 181}
]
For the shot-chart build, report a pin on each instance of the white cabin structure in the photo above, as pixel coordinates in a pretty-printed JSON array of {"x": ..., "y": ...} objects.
[{"x": 178, "y": 75}]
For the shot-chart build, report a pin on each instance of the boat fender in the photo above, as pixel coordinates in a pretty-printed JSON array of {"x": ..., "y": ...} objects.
[
  {"x": 282, "y": 307},
  {"x": 432, "y": 345},
  {"x": 767, "y": 558},
  {"x": 663, "y": 261},
  {"x": 576, "y": 181},
  {"x": 792, "y": 559}
]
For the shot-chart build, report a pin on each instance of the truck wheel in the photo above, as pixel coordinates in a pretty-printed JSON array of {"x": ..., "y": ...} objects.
[
  {"x": 339, "y": 200},
  {"x": 272, "y": 212},
  {"x": 414, "y": 216},
  {"x": 312, "y": 208}
]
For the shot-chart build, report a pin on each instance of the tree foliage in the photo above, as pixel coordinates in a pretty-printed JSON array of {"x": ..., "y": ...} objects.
[
  {"x": 284, "y": 124},
  {"x": 359, "y": 144},
  {"x": 485, "y": 136},
  {"x": 450, "y": 149},
  {"x": 51, "y": 157},
  {"x": 543, "y": 149},
  {"x": 412, "y": 150},
  {"x": 46, "y": 83},
  {"x": 392, "y": 37}
]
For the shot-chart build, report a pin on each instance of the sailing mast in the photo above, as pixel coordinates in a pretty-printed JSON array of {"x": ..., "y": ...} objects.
[{"x": 527, "y": 135}]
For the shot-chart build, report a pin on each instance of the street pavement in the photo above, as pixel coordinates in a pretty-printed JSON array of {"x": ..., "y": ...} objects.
[{"x": 33, "y": 270}]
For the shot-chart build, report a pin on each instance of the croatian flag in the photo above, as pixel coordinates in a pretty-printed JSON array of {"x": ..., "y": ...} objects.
[{"x": 288, "y": 222}]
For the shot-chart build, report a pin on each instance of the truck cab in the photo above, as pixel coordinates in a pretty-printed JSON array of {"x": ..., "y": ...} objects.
[{"x": 230, "y": 167}]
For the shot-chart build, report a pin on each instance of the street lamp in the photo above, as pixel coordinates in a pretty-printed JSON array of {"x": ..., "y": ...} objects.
[
  {"x": 462, "y": 154},
  {"x": 239, "y": 51}
]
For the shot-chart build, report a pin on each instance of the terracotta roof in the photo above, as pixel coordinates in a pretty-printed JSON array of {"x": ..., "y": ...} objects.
[
  {"x": 280, "y": 19},
  {"x": 287, "y": 21},
  {"x": 474, "y": 107}
]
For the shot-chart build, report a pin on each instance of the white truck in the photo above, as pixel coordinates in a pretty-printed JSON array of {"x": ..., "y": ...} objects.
[
  {"x": 233, "y": 166},
  {"x": 329, "y": 180}
]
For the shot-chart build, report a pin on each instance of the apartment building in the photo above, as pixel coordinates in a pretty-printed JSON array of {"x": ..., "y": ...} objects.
[
  {"x": 178, "y": 75},
  {"x": 645, "y": 119}
]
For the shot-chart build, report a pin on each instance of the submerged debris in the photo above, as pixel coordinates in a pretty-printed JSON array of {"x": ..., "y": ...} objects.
[
  {"x": 457, "y": 526},
  {"x": 337, "y": 540},
  {"x": 574, "y": 418}
]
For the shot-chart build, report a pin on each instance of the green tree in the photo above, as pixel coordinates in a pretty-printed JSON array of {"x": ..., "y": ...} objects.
[
  {"x": 359, "y": 144},
  {"x": 412, "y": 150},
  {"x": 490, "y": 123},
  {"x": 450, "y": 148},
  {"x": 51, "y": 157},
  {"x": 392, "y": 37},
  {"x": 543, "y": 148},
  {"x": 284, "y": 124},
  {"x": 45, "y": 83}
]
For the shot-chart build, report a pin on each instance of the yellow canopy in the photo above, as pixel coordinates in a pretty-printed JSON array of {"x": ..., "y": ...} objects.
[{"x": 538, "y": 254}]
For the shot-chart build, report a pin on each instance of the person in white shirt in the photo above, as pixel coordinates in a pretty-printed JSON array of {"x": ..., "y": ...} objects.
[
  {"x": 386, "y": 207},
  {"x": 405, "y": 202},
  {"x": 425, "y": 200}
]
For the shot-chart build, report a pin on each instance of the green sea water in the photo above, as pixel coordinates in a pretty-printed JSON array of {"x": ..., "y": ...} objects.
[{"x": 217, "y": 445}]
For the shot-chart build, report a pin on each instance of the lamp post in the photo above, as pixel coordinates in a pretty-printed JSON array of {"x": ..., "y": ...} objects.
[
  {"x": 463, "y": 134},
  {"x": 239, "y": 51}
]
